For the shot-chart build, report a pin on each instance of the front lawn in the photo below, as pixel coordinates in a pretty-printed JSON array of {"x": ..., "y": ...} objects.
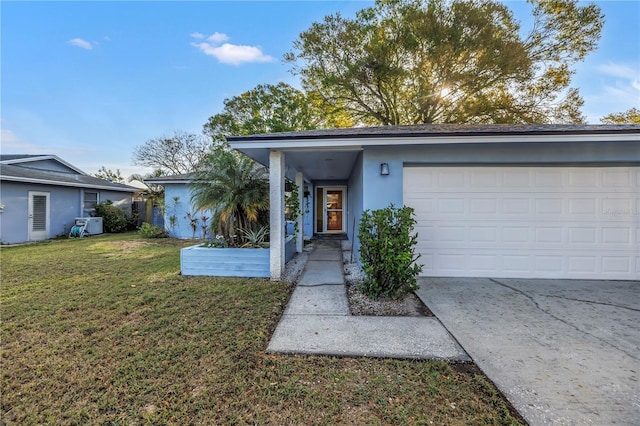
[{"x": 105, "y": 330}]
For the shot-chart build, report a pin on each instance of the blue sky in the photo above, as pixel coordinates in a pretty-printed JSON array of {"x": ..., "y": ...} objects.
[{"x": 88, "y": 81}]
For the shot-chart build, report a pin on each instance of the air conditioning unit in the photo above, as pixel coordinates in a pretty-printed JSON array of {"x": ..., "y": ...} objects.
[{"x": 93, "y": 225}]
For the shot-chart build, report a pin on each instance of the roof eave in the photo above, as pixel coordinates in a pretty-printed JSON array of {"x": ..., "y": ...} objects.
[
  {"x": 350, "y": 141},
  {"x": 70, "y": 184}
]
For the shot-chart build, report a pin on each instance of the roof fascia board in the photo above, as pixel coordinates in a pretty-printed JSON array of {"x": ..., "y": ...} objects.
[
  {"x": 56, "y": 183},
  {"x": 162, "y": 182},
  {"x": 354, "y": 142}
]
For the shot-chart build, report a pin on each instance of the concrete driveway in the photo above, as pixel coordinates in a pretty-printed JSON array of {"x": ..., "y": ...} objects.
[{"x": 564, "y": 352}]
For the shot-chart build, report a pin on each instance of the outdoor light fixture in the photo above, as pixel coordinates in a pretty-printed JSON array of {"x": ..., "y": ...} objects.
[{"x": 384, "y": 169}]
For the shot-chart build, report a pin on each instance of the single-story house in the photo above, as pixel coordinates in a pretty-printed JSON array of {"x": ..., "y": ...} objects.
[
  {"x": 42, "y": 195},
  {"x": 545, "y": 201}
]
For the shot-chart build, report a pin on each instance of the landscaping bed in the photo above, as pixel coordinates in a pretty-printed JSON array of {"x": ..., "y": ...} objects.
[{"x": 359, "y": 304}]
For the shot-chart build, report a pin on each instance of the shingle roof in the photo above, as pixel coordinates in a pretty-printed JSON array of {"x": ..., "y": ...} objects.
[
  {"x": 14, "y": 173},
  {"x": 426, "y": 130}
]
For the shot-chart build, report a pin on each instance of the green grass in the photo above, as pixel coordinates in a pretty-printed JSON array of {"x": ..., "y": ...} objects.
[{"x": 104, "y": 330}]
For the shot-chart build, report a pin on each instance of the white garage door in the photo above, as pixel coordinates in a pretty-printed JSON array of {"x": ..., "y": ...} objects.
[{"x": 545, "y": 222}]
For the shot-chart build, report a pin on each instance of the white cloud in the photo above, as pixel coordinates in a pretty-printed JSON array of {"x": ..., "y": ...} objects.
[
  {"x": 627, "y": 80},
  {"x": 14, "y": 144},
  {"x": 616, "y": 90},
  {"x": 217, "y": 38},
  {"x": 106, "y": 38},
  {"x": 618, "y": 70},
  {"x": 8, "y": 137},
  {"x": 228, "y": 53},
  {"x": 81, "y": 43}
]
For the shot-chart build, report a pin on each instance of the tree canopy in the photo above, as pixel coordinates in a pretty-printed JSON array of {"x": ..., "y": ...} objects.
[
  {"x": 269, "y": 108},
  {"x": 110, "y": 175},
  {"x": 630, "y": 116},
  {"x": 449, "y": 61},
  {"x": 174, "y": 155}
]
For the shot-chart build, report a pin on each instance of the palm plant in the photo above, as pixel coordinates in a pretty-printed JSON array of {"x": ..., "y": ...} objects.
[{"x": 234, "y": 187}]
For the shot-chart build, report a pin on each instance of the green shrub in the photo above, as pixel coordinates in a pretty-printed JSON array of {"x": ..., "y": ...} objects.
[
  {"x": 114, "y": 220},
  {"x": 387, "y": 252},
  {"x": 148, "y": 230}
]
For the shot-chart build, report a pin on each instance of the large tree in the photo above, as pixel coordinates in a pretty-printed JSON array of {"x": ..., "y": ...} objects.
[
  {"x": 630, "y": 116},
  {"x": 269, "y": 108},
  {"x": 110, "y": 175},
  {"x": 173, "y": 155},
  {"x": 449, "y": 61}
]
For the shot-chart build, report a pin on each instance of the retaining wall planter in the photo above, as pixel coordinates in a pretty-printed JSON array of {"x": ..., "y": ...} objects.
[{"x": 230, "y": 262}]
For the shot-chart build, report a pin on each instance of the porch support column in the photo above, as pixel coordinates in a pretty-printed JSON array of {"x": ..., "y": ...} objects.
[
  {"x": 300, "y": 235},
  {"x": 276, "y": 215}
]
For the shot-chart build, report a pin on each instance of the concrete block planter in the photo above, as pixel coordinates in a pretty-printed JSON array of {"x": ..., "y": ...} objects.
[{"x": 230, "y": 262}]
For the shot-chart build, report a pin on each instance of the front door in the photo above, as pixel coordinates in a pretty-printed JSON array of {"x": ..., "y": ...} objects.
[
  {"x": 330, "y": 214},
  {"x": 38, "y": 215}
]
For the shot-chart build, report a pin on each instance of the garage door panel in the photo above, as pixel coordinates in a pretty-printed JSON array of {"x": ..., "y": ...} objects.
[
  {"x": 621, "y": 236},
  {"x": 583, "y": 206},
  {"x": 581, "y": 264},
  {"x": 582, "y": 178},
  {"x": 616, "y": 178},
  {"x": 548, "y": 222}
]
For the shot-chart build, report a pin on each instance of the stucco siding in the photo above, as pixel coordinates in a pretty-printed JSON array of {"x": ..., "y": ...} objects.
[
  {"x": 379, "y": 190},
  {"x": 65, "y": 204},
  {"x": 177, "y": 198},
  {"x": 307, "y": 211},
  {"x": 13, "y": 219},
  {"x": 354, "y": 202},
  {"x": 64, "y": 208}
]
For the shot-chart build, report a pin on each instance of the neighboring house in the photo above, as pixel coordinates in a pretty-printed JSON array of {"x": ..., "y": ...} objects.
[
  {"x": 42, "y": 195},
  {"x": 544, "y": 201},
  {"x": 177, "y": 206}
]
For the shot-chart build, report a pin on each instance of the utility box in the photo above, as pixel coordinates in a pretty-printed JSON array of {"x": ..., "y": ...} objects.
[{"x": 93, "y": 225}]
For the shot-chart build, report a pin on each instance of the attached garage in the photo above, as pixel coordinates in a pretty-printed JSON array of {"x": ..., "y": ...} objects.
[
  {"x": 526, "y": 221},
  {"x": 492, "y": 200}
]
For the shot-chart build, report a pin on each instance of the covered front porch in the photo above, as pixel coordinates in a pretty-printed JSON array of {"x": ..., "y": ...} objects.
[{"x": 329, "y": 195}]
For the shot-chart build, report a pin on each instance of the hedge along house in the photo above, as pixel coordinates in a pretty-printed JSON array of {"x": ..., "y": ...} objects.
[
  {"x": 42, "y": 195},
  {"x": 534, "y": 201}
]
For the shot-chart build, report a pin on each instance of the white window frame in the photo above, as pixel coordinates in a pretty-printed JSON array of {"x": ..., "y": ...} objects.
[{"x": 84, "y": 211}]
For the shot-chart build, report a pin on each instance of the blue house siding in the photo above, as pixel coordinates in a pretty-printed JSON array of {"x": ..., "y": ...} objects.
[
  {"x": 379, "y": 191},
  {"x": 307, "y": 212},
  {"x": 13, "y": 219},
  {"x": 354, "y": 201},
  {"x": 65, "y": 204},
  {"x": 179, "y": 209},
  {"x": 64, "y": 208}
]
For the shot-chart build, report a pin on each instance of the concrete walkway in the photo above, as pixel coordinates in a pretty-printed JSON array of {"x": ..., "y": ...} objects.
[{"x": 317, "y": 320}]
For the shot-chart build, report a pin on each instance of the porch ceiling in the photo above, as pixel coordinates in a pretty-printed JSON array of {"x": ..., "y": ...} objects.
[{"x": 315, "y": 165}]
